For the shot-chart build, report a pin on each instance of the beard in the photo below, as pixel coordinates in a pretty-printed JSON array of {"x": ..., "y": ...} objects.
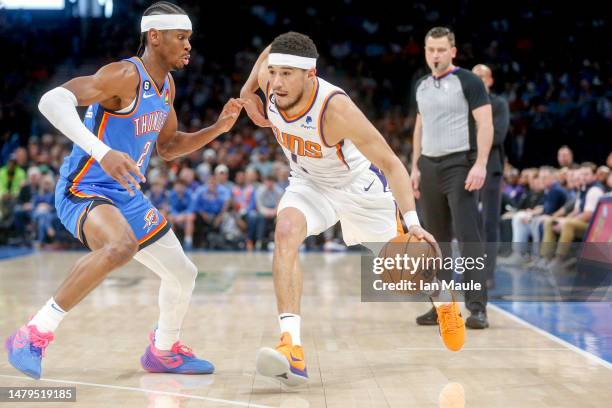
[{"x": 291, "y": 104}]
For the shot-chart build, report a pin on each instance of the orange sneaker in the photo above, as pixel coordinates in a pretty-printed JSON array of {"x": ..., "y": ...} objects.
[
  {"x": 285, "y": 363},
  {"x": 452, "y": 329}
]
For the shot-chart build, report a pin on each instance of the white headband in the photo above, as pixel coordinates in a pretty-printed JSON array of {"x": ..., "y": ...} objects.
[
  {"x": 288, "y": 60},
  {"x": 165, "y": 22}
]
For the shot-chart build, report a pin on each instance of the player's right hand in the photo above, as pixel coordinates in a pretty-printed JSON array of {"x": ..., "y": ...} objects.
[
  {"x": 123, "y": 169},
  {"x": 229, "y": 115},
  {"x": 255, "y": 109},
  {"x": 415, "y": 176},
  {"x": 421, "y": 233}
]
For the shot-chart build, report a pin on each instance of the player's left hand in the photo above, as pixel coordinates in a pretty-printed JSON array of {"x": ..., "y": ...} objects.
[
  {"x": 476, "y": 177},
  {"x": 255, "y": 109},
  {"x": 229, "y": 115},
  {"x": 420, "y": 233}
]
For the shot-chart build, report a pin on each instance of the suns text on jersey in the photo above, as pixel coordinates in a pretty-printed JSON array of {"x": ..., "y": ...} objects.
[
  {"x": 298, "y": 146},
  {"x": 150, "y": 122}
]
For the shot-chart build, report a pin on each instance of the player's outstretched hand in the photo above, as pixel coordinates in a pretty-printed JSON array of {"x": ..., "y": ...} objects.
[
  {"x": 420, "y": 233},
  {"x": 255, "y": 109},
  {"x": 229, "y": 115},
  {"x": 122, "y": 168},
  {"x": 476, "y": 177}
]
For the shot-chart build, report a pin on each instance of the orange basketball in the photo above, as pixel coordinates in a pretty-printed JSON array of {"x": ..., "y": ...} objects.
[{"x": 414, "y": 254}]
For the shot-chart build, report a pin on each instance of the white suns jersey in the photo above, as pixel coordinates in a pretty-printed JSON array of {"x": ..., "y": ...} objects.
[{"x": 303, "y": 142}]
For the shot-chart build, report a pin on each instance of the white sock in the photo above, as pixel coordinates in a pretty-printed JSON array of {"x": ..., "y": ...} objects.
[
  {"x": 48, "y": 317},
  {"x": 290, "y": 323},
  {"x": 164, "y": 339}
]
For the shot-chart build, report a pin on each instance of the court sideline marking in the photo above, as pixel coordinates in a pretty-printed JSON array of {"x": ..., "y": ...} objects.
[
  {"x": 590, "y": 356},
  {"x": 147, "y": 391}
]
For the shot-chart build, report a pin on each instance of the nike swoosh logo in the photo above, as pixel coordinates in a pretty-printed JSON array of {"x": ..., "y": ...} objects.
[
  {"x": 368, "y": 187},
  {"x": 294, "y": 358},
  {"x": 272, "y": 110},
  {"x": 145, "y": 96},
  {"x": 55, "y": 307},
  {"x": 172, "y": 362}
]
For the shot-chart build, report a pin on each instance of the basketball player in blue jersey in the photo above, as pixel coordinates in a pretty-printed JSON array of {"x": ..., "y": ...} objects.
[{"x": 98, "y": 197}]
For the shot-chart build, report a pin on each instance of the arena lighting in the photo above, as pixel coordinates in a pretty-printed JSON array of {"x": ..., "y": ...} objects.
[{"x": 32, "y": 4}]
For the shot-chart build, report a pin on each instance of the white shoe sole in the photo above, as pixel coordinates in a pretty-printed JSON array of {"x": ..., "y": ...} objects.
[{"x": 271, "y": 363}]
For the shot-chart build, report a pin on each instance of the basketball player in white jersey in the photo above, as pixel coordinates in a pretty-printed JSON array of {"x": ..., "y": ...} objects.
[{"x": 342, "y": 169}]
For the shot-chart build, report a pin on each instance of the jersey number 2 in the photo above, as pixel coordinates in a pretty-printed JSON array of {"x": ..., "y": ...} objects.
[{"x": 141, "y": 159}]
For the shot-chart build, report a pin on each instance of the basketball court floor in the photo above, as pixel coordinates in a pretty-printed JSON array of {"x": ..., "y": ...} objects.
[{"x": 358, "y": 354}]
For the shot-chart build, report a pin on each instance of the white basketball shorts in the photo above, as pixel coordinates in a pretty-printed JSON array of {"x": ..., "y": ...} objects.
[{"x": 365, "y": 208}]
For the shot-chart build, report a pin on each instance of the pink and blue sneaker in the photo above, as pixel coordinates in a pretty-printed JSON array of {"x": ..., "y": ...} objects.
[
  {"x": 179, "y": 360},
  {"x": 26, "y": 348}
]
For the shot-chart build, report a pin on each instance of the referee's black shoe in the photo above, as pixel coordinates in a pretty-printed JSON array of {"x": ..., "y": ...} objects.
[
  {"x": 428, "y": 319},
  {"x": 477, "y": 320}
]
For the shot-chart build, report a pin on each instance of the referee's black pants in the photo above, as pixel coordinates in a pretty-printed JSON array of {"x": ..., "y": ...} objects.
[
  {"x": 447, "y": 207},
  {"x": 490, "y": 197}
]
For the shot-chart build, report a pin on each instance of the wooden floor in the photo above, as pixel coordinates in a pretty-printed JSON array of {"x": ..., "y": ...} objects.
[{"x": 358, "y": 354}]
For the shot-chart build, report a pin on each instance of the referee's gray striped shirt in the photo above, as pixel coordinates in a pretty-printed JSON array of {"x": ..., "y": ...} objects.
[{"x": 445, "y": 104}]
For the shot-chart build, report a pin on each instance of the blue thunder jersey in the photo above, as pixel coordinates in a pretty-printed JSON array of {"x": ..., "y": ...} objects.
[{"x": 133, "y": 132}]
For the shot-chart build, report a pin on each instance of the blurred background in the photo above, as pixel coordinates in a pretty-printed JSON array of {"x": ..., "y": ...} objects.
[{"x": 551, "y": 62}]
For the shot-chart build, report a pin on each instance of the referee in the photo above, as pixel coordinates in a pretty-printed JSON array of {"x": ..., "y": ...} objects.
[{"x": 452, "y": 138}]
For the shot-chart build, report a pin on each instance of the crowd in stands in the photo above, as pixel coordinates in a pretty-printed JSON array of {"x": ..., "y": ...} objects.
[
  {"x": 218, "y": 206},
  {"x": 551, "y": 208},
  {"x": 224, "y": 195}
]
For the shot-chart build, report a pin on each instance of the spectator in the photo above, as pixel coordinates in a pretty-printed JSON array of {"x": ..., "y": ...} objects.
[
  {"x": 224, "y": 186},
  {"x": 282, "y": 176},
  {"x": 572, "y": 190},
  {"x": 562, "y": 176},
  {"x": 247, "y": 206},
  {"x": 187, "y": 176},
  {"x": 232, "y": 229},
  {"x": 267, "y": 197},
  {"x": 240, "y": 196},
  {"x": 159, "y": 196},
  {"x": 180, "y": 212},
  {"x": 512, "y": 191},
  {"x": 43, "y": 204},
  {"x": 24, "y": 203},
  {"x": 602, "y": 174},
  {"x": 21, "y": 157},
  {"x": 204, "y": 169},
  {"x": 565, "y": 156},
  {"x": 262, "y": 162},
  {"x": 209, "y": 205},
  {"x": 529, "y": 205},
  {"x": 575, "y": 224},
  {"x": 12, "y": 177}
]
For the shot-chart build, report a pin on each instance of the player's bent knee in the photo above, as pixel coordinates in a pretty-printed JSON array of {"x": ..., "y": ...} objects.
[
  {"x": 287, "y": 233},
  {"x": 181, "y": 268},
  {"x": 119, "y": 253}
]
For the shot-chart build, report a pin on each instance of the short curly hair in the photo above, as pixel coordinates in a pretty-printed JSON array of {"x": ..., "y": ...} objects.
[{"x": 293, "y": 43}]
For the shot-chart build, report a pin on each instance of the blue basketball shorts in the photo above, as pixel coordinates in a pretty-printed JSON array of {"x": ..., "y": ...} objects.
[{"x": 73, "y": 204}]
